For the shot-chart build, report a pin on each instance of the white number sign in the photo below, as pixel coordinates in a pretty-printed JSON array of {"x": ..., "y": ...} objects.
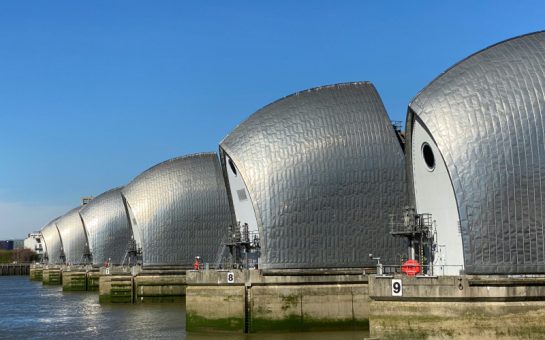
[
  {"x": 397, "y": 287},
  {"x": 230, "y": 277}
]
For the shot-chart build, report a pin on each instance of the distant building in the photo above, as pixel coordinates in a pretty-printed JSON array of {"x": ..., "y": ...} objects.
[
  {"x": 6, "y": 245},
  {"x": 18, "y": 244},
  {"x": 34, "y": 242}
]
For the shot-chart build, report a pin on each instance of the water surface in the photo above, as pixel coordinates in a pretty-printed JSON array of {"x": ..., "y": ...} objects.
[{"x": 30, "y": 310}]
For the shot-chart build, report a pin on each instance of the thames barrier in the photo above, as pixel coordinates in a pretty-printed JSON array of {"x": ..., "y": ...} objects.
[{"x": 318, "y": 213}]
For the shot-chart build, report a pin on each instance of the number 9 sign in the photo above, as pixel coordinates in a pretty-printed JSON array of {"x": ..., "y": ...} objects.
[
  {"x": 230, "y": 277},
  {"x": 397, "y": 287}
]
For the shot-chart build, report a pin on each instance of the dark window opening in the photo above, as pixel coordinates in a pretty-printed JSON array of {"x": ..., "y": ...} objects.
[
  {"x": 233, "y": 168},
  {"x": 429, "y": 158}
]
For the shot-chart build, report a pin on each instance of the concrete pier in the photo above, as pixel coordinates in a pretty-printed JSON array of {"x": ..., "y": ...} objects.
[
  {"x": 254, "y": 301},
  {"x": 457, "y": 306},
  {"x": 36, "y": 272},
  {"x": 52, "y": 275},
  {"x": 74, "y": 279},
  {"x": 160, "y": 285},
  {"x": 116, "y": 287},
  {"x": 10, "y": 269},
  {"x": 80, "y": 278},
  {"x": 93, "y": 277},
  {"x": 136, "y": 285}
]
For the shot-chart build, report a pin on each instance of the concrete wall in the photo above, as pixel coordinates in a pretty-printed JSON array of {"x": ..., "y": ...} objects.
[
  {"x": 210, "y": 308},
  {"x": 133, "y": 285},
  {"x": 93, "y": 278},
  {"x": 36, "y": 272},
  {"x": 256, "y": 303},
  {"x": 74, "y": 280},
  {"x": 52, "y": 276},
  {"x": 116, "y": 288},
  {"x": 10, "y": 269},
  {"x": 459, "y": 288},
  {"x": 159, "y": 288},
  {"x": 458, "y": 306},
  {"x": 459, "y": 320}
]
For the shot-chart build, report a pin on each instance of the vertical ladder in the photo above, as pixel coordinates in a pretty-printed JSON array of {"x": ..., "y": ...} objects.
[{"x": 221, "y": 251}]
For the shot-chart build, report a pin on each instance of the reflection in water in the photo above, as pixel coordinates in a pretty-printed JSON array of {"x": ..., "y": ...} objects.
[{"x": 30, "y": 310}]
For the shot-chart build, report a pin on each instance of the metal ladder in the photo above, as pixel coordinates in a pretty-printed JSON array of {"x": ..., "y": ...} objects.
[{"x": 221, "y": 251}]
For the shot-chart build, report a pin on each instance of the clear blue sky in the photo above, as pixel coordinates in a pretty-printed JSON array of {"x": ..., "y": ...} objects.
[{"x": 93, "y": 93}]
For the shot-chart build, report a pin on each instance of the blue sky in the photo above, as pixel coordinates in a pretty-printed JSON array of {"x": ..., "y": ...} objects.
[{"x": 93, "y": 93}]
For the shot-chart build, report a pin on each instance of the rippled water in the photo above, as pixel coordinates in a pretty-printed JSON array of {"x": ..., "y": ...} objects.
[{"x": 30, "y": 310}]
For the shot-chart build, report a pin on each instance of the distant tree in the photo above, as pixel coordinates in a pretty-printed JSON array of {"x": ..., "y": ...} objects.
[
  {"x": 23, "y": 255},
  {"x": 5, "y": 256}
]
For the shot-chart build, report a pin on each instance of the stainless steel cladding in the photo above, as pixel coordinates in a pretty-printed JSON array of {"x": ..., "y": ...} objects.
[
  {"x": 323, "y": 169},
  {"x": 74, "y": 239},
  {"x": 52, "y": 243},
  {"x": 108, "y": 229},
  {"x": 486, "y": 119},
  {"x": 178, "y": 210}
]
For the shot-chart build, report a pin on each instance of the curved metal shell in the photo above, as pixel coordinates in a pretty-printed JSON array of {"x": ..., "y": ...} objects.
[
  {"x": 52, "y": 243},
  {"x": 107, "y": 225},
  {"x": 179, "y": 209},
  {"x": 487, "y": 117},
  {"x": 73, "y": 236},
  {"x": 324, "y": 170}
]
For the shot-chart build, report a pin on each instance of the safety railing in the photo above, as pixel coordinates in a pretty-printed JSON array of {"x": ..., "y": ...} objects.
[{"x": 425, "y": 270}]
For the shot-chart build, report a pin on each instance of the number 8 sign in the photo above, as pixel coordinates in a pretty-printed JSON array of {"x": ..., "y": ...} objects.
[
  {"x": 230, "y": 277},
  {"x": 397, "y": 287}
]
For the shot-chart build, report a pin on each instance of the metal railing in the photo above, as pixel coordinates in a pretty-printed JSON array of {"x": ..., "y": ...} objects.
[{"x": 426, "y": 270}]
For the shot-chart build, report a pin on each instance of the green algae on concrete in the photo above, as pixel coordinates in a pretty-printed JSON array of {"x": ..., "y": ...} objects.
[
  {"x": 305, "y": 324},
  {"x": 464, "y": 306},
  {"x": 219, "y": 308},
  {"x": 276, "y": 303},
  {"x": 424, "y": 320},
  {"x": 52, "y": 276},
  {"x": 159, "y": 287},
  {"x": 121, "y": 292},
  {"x": 74, "y": 281},
  {"x": 36, "y": 274},
  {"x": 195, "y": 323},
  {"x": 93, "y": 278},
  {"x": 115, "y": 289}
]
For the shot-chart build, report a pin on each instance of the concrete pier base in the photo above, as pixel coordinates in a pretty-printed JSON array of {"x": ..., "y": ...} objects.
[
  {"x": 458, "y": 307},
  {"x": 160, "y": 286},
  {"x": 253, "y": 302},
  {"x": 134, "y": 285},
  {"x": 36, "y": 272},
  {"x": 74, "y": 280},
  {"x": 52, "y": 276},
  {"x": 116, "y": 288},
  {"x": 11, "y": 269},
  {"x": 80, "y": 279},
  {"x": 93, "y": 277}
]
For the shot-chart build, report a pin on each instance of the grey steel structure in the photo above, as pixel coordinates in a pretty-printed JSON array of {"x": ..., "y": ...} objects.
[
  {"x": 323, "y": 170},
  {"x": 178, "y": 210},
  {"x": 52, "y": 244},
  {"x": 108, "y": 228},
  {"x": 73, "y": 237},
  {"x": 485, "y": 118}
]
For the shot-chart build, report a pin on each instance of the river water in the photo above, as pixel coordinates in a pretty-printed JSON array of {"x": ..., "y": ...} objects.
[{"x": 29, "y": 310}]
